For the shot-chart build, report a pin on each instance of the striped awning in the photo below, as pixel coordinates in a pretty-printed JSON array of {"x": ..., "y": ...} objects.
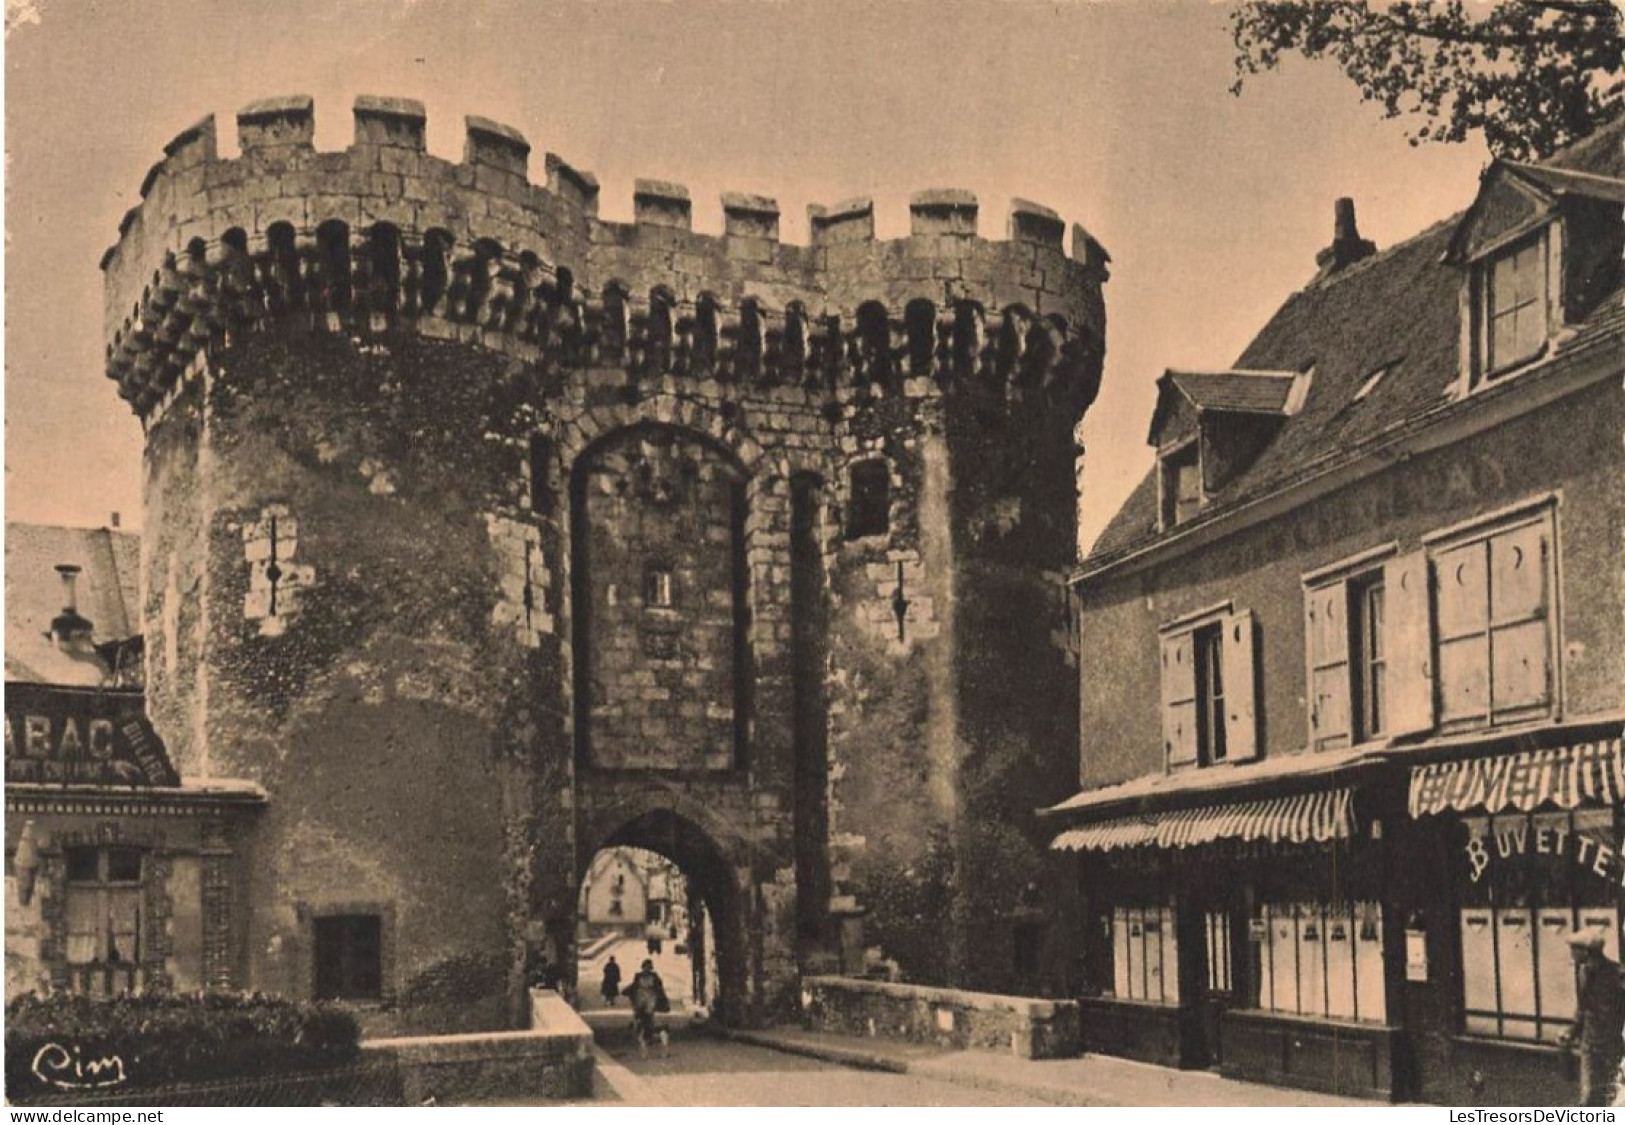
[
  {"x": 1306, "y": 818},
  {"x": 1587, "y": 773}
]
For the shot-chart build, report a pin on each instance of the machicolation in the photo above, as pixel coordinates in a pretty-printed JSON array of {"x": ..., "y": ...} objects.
[{"x": 384, "y": 235}]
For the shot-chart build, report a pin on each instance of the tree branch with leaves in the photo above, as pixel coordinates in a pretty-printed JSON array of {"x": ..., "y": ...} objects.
[{"x": 1530, "y": 75}]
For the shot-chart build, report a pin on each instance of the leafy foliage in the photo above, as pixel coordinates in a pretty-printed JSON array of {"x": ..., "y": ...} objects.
[
  {"x": 166, "y": 1040},
  {"x": 1532, "y": 75}
]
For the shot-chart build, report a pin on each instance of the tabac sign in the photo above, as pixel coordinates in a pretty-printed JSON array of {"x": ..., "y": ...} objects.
[{"x": 77, "y": 736}]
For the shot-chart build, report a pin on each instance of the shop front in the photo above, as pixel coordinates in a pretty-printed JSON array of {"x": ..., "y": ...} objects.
[
  {"x": 121, "y": 877},
  {"x": 1516, "y": 846},
  {"x": 1247, "y": 937}
]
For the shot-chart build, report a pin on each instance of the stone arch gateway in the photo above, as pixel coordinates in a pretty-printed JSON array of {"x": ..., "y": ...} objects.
[{"x": 501, "y": 532}]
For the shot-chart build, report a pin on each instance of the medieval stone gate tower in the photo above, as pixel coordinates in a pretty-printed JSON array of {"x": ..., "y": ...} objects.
[{"x": 485, "y": 533}]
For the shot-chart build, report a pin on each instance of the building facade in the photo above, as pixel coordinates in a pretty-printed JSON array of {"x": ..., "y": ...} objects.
[
  {"x": 121, "y": 875},
  {"x": 484, "y": 534},
  {"x": 1352, "y": 669}
]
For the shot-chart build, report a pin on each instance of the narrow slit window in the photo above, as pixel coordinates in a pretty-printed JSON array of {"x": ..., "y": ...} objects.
[{"x": 659, "y": 588}]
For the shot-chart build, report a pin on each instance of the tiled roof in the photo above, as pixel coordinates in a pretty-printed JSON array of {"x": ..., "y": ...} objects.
[
  {"x": 1250, "y": 391},
  {"x": 1396, "y": 310},
  {"x": 1566, "y": 181},
  {"x": 108, "y": 593}
]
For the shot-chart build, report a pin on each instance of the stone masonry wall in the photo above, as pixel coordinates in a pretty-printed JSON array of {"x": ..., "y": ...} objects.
[
  {"x": 662, "y": 521},
  {"x": 390, "y": 404}
]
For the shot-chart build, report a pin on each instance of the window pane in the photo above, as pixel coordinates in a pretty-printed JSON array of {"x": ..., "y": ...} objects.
[
  {"x": 1283, "y": 939},
  {"x": 1170, "y": 956},
  {"x": 1120, "y": 955},
  {"x": 1514, "y": 934},
  {"x": 1530, "y": 331},
  {"x": 1503, "y": 283},
  {"x": 1188, "y": 483},
  {"x": 124, "y": 865},
  {"x": 1527, "y": 274},
  {"x": 1503, "y": 341},
  {"x": 1339, "y": 943},
  {"x": 1478, "y": 968},
  {"x": 84, "y": 926},
  {"x": 1371, "y": 987},
  {"x": 83, "y": 865},
  {"x": 1311, "y": 960},
  {"x": 124, "y": 926},
  {"x": 1373, "y": 621},
  {"x": 1554, "y": 965}
]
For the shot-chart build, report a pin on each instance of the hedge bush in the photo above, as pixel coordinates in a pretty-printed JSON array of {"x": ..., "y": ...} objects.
[{"x": 165, "y": 1040}]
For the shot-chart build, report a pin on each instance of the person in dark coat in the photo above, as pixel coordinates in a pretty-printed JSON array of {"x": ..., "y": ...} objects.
[
  {"x": 1599, "y": 1022},
  {"x": 612, "y": 981},
  {"x": 648, "y": 995}
]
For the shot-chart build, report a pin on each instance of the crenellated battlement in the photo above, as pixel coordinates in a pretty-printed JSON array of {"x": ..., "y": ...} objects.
[{"x": 385, "y": 237}]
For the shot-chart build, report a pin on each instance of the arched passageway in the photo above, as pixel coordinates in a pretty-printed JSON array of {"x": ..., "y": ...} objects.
[{"x": 694, "y": 925}]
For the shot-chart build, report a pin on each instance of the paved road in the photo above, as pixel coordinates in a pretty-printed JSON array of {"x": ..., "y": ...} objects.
[
  {"x": 675, "y": 971},
  {"x": 702, "y": 1071}
]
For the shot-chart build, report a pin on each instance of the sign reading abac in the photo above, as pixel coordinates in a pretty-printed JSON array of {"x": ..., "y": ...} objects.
[{"x": 77, "y": 736}]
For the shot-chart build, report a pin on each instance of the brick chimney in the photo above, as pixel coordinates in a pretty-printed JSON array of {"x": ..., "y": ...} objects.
[{"x": 1347, "y": 246}]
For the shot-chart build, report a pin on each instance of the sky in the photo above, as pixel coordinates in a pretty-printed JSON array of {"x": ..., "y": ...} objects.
[{"x": 1115, "y": 113}]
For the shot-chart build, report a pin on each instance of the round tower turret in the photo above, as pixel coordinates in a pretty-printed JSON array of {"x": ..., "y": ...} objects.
[{"x": 486, "y": 533}]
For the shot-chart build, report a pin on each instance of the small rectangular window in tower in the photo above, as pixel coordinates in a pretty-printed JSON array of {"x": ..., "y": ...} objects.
[
  {"x": 658, "y": 588},
  {"x": 869, "y": 509},
  {"x": 349, "y": 957},
  {"x": 541, "y": 476}
]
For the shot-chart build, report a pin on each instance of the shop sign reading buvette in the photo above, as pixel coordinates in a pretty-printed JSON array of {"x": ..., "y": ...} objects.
[
  {"x": 1515, "y": 838},
  {"x": 76, "y": 736}
]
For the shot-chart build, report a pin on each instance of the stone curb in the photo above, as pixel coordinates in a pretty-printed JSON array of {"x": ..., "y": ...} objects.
[
  {"x": 859, "y": 1059},
  {"x": 845, "y": 1056},
  {"x": 631, "y": 1089}
]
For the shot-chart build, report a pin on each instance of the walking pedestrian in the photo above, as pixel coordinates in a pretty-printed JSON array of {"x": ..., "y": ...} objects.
[
  {"x": 611, "y": 987},
  {"x": 648, "y": 995}
]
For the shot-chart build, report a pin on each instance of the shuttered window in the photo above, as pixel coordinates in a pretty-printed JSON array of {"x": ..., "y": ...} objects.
[
  {"x": 1370, "y": 664},
  {"x": 1210, "y": 692},
  {"x": 1494, "y": 637}
]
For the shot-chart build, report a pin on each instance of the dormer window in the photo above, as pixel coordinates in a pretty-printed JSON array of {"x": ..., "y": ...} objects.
[
  {"x": 1181, "y": 484},
  {"x": 1516, "y": 309},
  {"x": 1209, "y": 426},
  {"x": 1538, "y": 251}
]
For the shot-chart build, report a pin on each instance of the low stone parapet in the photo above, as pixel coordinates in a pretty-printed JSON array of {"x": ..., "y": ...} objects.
[
  {"x": 1026, "y": 1027},
  {"x": 554, "y": 1059}
]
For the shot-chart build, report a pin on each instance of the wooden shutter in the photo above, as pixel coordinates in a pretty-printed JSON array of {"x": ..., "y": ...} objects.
[
  {"x": 1408, "y": 634},
  {"x": 1240, "y": 688},
  {"x": 1461, "y": 585},
  {"x": 1520, "y": 661},
  {"x": 1327, "y": 629},
  {"x": 1179, "y": 699}
]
